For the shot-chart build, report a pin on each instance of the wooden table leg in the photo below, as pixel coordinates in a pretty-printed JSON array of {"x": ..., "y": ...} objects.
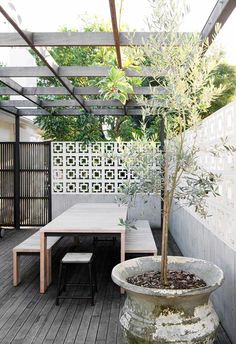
[
  {"x": 122, "y": 253},
  {"x": 43, "y": 261},
  {"x": 122, "y": 247},
  {"x": 16, "y": 268}
]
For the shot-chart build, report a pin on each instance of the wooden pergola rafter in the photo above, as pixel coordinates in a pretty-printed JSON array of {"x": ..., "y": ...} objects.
[
  {"x": 37, "y": 41},
  {"x": 116, "y": 37},
  {"x": 220, "y": 14},
  {"x": 46, "y": 59},
  {"x": 18, "y": 89},
  {"x": 115, "y": 31}
]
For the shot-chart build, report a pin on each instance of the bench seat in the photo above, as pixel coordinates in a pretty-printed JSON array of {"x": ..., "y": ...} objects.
[
  {"x": 140, "y": 240},
  {"x": 31, "y": 246}
]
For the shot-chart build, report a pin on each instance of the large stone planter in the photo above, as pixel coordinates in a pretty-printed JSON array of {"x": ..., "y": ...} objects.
[{"x": 165, "y": 315}]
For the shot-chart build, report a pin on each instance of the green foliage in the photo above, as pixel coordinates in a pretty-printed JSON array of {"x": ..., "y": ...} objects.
[
  {"x": 142, "y": 158},
  {"x": 116, "y": 86},
  {"x": 187, "y": 87},
  {"x": 186, "y": 75},
  {"x": 127, "y": 223},
  {"x": 225, "y": 75},
  {"x": 55, "y": 127},
  {"x": 71, "y": 128},
  {"x": 122, "y": 126},
  {"x": 193, "y": 184},
  {"x": 88, "y": 127}
]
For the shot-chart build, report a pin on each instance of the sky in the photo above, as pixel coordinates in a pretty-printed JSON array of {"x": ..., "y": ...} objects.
[{"x": 49, "y": 15}]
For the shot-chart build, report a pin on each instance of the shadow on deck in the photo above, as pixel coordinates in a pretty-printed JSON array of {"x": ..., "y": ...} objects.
[{"x": 27, "y": 317}]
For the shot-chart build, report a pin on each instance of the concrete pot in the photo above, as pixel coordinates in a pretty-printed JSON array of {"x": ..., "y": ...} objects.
[{"x": 165, "y": 315}]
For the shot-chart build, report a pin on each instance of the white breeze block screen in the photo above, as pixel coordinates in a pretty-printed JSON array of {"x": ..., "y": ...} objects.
[
  {"x": 79, "y": 168},
  {"x": 222, "y": 124}
]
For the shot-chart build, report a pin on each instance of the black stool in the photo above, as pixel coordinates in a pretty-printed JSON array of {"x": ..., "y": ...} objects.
[
  {"x": 96, "y": 240},
  {"x": 77, "y": 258}
]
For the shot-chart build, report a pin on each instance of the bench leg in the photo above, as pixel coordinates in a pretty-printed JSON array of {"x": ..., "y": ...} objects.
[
  {"x": 43, "y": 260},
  {"x": 16, "y": 269},
  {"x": 49, "y": 267},
  {"x": 122, "y": 253}
]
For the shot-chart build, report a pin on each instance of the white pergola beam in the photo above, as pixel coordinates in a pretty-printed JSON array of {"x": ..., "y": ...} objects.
[
  {"x": 75, "y": 112},
  {"x": 44, "y": 56},
  {"x": 89, "y": 90},
  {"x": 67, "y": 103},
  {"x": 68, "y": 71},
  {"x": 12, "y": 111},
  {"x": 67, "y": 39},
  {"x": 18, "y": 89}
]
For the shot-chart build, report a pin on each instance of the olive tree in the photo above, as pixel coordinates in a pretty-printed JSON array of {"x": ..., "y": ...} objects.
[{"x": 183, "y": 68}]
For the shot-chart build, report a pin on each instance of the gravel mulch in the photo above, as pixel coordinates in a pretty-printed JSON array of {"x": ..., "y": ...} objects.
[{"x": 177, "y": 280}]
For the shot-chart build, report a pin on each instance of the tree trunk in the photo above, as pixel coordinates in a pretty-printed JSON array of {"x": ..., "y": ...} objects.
[
  {"x": 164, "y": 246},
  {"x": 165, "y": 228}
]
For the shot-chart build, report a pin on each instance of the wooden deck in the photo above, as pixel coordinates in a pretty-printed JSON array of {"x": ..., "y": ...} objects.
[{"x": 28, "y": 317}]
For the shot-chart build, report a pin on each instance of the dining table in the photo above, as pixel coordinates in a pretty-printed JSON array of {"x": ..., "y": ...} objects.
[{"x": 83, "y": 218}]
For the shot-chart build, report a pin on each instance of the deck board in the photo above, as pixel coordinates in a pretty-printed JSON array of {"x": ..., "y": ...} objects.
[{"x": 27, "y": 317}]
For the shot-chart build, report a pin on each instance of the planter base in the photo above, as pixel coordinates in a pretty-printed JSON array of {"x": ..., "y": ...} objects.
[
  {"x": 130, "y": 339},
  {"x": 172, "y": 326},
  {"x": 167, "y": 316}
]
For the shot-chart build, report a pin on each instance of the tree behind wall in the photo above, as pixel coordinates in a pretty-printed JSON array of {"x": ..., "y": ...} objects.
[
  {"x": 85, "y": 127},
  {"x": 99, "y": 128},
  {"x": 224, "y": 75}
]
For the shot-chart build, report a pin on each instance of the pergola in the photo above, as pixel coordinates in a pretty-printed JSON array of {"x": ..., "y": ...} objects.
[
  {"x": 39, "y": 41},
  {"x": 76, "y": 101}
]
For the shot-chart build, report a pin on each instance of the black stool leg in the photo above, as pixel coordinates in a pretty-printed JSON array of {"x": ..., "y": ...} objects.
[
  {"x": 114, "y": 242},
  {"x": 65, "y": 278},
  {"x": 91, "y": 284},
  {"x": 95, "y": 242},
  {"x": 59, "y": 284},
  {"x": 95, "y": 276}
]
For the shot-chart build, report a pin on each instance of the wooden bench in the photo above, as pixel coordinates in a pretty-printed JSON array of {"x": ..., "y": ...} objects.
[
  {"x": 140, "y": 240},
  {"x": 31, "y": 246}
]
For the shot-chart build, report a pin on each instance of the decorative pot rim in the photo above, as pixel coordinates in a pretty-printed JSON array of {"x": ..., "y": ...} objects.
[{"x": 122, "y": 282}]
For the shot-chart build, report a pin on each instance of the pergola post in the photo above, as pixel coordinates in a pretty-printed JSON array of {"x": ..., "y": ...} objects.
[
  {"x": 17, "y": 173},
  {"x": 49, "y": 185}
]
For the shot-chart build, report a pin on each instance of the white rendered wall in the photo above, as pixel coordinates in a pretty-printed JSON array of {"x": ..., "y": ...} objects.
[
  {"x": 214, "y": 239},
  {"x": 222, "y": 210}
]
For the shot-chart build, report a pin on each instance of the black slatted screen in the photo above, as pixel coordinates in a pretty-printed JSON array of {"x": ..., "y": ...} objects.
[
  {"x": 35, "y": 194},
  {"x": 34, "y": 179},
  {"x": 7, "y": 183}
]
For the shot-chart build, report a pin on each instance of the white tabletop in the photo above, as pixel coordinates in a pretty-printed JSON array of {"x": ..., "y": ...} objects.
[{"x": 89, "y": 218}]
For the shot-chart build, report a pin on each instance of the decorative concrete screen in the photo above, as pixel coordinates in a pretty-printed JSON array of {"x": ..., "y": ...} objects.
[
  {"x": 79, "y": 168},
  {"x": 220, "y": 125}
]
